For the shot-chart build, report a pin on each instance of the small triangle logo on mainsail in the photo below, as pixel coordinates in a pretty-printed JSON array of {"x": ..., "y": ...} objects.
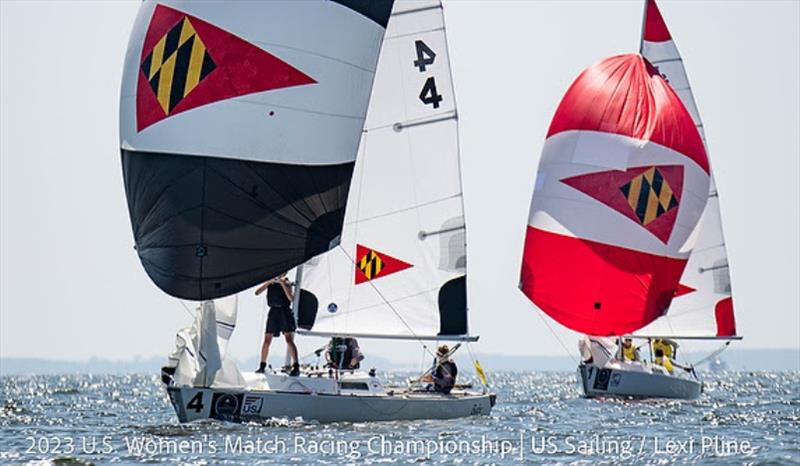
[
  {"x": 650, "y": 196},
  {"x": 371, "y": 264},
  {"x": 187, "y": 62}
]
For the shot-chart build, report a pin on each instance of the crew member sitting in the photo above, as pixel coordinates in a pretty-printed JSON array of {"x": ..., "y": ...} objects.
[
  {"x": 663, "y": 361},
  {"x": 443, "y": 377},
  {"x": 667, "y": 363},
  {"x": 666, "y": 346},
  {"x": 343, "y": 353},
  {"x": 629, "y": 352}
]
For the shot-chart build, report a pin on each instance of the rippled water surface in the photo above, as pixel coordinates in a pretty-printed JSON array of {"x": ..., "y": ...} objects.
[{"x": 743, "y": 418}]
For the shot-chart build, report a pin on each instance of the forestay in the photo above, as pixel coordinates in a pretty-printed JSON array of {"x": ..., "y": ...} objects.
[
  {"x": 703, "y": 306},
  {"x": 399, "y": 271},
  {"x": 239, "y": 127}
]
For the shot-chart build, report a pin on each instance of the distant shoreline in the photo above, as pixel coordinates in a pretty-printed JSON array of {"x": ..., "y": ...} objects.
[{"x": 786, "y": 359}]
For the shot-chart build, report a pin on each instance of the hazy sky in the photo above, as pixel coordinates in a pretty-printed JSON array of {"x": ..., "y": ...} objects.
[{"x": 71, "y": 286}]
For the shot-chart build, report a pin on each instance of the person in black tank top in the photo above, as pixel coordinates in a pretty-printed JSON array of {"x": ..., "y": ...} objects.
[{"x": 279, "y": 320}]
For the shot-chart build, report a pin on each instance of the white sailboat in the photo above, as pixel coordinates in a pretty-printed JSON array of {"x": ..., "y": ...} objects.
[
  {"x": 230, "y": 184},
  {"x": 625, "y": 214}
]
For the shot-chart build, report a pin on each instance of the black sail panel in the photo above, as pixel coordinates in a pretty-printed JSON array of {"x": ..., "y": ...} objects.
[{"x": 207, "y": 227}]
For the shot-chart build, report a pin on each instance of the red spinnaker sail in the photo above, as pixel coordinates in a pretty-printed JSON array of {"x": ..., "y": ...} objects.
[{"x": 622, "y": 182}]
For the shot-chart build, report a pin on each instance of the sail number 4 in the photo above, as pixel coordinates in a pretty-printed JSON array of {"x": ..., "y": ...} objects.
[
  {"x": 426, "y": 57},
  {"x": 196, "y": 403}
]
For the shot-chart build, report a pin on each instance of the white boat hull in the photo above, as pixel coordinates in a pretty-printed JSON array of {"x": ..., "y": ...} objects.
[
  {"x": 192, "y": 404},
  {"x": 622, "y": 381}
]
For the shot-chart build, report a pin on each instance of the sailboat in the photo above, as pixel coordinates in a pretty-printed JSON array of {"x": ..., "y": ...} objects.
[
  {"x": 624, "y": 236},
  {"x": 240, "y": 134}
]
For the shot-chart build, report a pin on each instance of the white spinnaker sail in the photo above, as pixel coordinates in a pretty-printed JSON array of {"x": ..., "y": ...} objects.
[
  {"x": 402, "y": 257},
  {"x": 703, "y": 307}
]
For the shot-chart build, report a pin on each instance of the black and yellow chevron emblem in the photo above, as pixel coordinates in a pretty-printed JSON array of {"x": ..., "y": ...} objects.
[
  {"x": 370, "y": 264},
  {"x": 649, "y": 195},
  {"x": 177, "y": 64}
]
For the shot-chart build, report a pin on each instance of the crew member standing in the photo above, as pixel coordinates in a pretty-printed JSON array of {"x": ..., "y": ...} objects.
[{"x": 280, "y": 320}]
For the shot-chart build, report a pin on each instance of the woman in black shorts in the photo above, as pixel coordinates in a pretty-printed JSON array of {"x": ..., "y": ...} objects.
[{"x": 280, "y": 320}]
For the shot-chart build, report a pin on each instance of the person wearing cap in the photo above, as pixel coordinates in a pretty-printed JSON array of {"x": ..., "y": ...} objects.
[{"x": 443, "y": 377}]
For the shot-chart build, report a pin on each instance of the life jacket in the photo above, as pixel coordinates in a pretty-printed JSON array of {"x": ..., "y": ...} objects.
[
  {"x": 629, "y": 353},
  {"x": 339, "y": 356},
  {"x": 665, "y": 347},
  {"x": 445, "y": 377},
  {"x": 665, "y": 362},
  {"x": 276, "y": 297}
]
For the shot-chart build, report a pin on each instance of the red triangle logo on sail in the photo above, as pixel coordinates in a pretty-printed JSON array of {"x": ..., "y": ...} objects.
[
  {"x": 372, "y": 264},
  {"x": 187, "y": 62},
  {"x": 650, "y": 196}
]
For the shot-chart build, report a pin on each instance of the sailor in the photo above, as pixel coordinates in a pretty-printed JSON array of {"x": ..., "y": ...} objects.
[
  {"x": 443, "y": 377},
  {"x": 663, "y": 360},
  {"x": 629, "y": 352},
  {"x": 280, "y": 320},
  {"x": 344, "y": 353},
  {"x": 666, "y": 347},
  {"x": 667, "y": 363}
]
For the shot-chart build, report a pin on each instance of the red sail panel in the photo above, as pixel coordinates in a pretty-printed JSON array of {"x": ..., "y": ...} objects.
[
  {"x": 655, "y": 29},
  {"x": 726, "y": 323},
  {"x": 626, "y": 95},
  {"x": 622, "y": 182},
  {"x": 596, "y": 288}
]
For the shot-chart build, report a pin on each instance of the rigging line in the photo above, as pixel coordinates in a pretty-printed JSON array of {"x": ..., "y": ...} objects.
[
  {"x": 413, "y": 333},
  {"x": 558, "y": 339},
  {"x": 472, "y": 357},
  {"x": 186, "y": 307},
  {"x": 714, "y": 354}
]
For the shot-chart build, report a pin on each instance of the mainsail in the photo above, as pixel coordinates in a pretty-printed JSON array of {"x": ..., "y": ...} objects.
[
  {"x": 622, "y": 183},
  {"x": 239, "y": 128},
  {"x": 703, "y": 306},
  {"x": 400, "y": 269}
]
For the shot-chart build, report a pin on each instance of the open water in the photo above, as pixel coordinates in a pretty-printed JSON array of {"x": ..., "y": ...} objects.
[{"x": 743, "y": 418}]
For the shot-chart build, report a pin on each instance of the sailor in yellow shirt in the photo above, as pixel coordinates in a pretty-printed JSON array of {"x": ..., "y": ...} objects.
[
  {"x": 665, "y": 346},
  {"x": 629, "y": 352},
  {"x": 663, "y": 361},
  {"x": 667, "y": 363}
]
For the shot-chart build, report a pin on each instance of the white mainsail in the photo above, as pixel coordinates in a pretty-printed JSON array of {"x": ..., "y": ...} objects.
[
  {"x": 399, "y": 271},
  {"x": 703, "y": 305}
]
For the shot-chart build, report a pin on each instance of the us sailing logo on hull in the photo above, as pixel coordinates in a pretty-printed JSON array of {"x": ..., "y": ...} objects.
[{"x": 187, "y": 63}]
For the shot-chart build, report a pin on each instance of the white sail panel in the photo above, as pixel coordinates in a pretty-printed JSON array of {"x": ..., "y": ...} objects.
[
  {"x": 703, "y": 306},
  {"x": 399, "y": 270},
  {"x": 320, "y": 55}
]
